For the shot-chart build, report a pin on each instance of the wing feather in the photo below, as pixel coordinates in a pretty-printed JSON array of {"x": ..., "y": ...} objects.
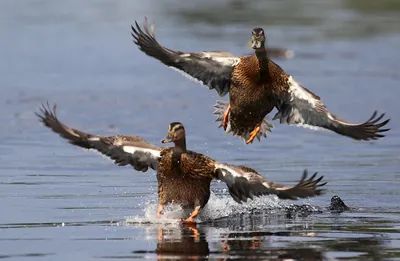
[
  {"x": 123, "y": 150},
  {"x": 213, "y": 69},
  {"x": 300, "y": 106},
  {"x": 244, "y": 183}
]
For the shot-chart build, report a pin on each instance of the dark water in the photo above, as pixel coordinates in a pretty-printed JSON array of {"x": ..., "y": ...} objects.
[{"x": 62, "y": 203}]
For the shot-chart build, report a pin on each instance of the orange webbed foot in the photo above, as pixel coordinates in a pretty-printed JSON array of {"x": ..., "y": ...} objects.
[
  {"x": 226, "y": 116},
  {"x": 189, "y": 220},
  {"x": 253, "y": 134},
  {"x": 160, "y": 210}
]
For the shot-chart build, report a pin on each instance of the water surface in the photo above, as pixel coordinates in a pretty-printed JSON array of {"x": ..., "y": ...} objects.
[{"x": 62, "y": 203}]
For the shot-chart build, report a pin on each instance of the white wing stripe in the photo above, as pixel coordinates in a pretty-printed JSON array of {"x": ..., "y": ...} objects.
[
  {"x": 308, "y": 126},
  {"x": 133, "y": 149},
  {"x": 223, "y": 59},
  {"x": 297, "y": 91},
  {"x": 186, "y": 75},
  {"x": 265, "y": 184},
  {"x": 226, "y": 168},
  {"x": 227, "y": 61}
]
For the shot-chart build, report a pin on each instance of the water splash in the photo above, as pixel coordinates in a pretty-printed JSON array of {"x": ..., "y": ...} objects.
[{"x": 219, "y": 206}]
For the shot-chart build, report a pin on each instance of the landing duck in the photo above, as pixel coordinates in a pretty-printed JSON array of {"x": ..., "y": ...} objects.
[
  {"x": 184, "y": 177},
  {"x": 256, "y": 85}
]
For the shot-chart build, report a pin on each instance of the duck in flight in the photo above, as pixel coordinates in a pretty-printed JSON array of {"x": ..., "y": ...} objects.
[
  {"x": 184, "y": 176},
  {"x": 256, "y": 85}
]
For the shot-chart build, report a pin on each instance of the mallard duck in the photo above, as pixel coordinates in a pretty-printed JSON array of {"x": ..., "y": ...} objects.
[
  {"x": 256, "y": 85},
  {"x": 183, "y": 176}
]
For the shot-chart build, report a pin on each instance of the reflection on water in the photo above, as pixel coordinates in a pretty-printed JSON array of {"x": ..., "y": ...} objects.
[
  {"x": 298, "y": 232},
  {"x": 282, "y": 238},
  {"x": 185, "y": 242},
  {"x": 255, "y": 245},
  {"x": 304, "y": 241}
]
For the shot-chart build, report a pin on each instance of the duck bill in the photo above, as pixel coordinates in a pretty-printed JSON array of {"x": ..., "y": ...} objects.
[
  {"x": 168, "y": 139},
  {"x": 255, "y": 44}
]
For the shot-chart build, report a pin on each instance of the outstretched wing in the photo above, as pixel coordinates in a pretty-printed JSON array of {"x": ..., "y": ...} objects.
[
  {"x": 123, "y": 150},
  {"x": 244, "y": 183},
  {"x": 300, "y": 106},
  {"x": 213, "y": 69}
]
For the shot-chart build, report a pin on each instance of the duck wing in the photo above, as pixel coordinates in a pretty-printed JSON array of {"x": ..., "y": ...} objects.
[
  {"x": 244, "y": 183},
  {"x": 298, "y": 105},
  {"x": 123, "y": 150},
  {"x": 213, "y": 69}
]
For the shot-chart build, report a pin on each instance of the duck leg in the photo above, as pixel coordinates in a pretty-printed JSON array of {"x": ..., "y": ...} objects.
[
  {"x": 160, "y": 209},
  {"x": 254, "y": 133},
  {"x": 192, "y": 216},
  {"x": 226, "y": 114}
]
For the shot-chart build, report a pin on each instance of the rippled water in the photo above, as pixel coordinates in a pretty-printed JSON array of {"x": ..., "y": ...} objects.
[{"x": 63, "y": 203}]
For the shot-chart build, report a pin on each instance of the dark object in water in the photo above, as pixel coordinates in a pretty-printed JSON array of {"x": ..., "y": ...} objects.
[{"x": 337, "y": 205}]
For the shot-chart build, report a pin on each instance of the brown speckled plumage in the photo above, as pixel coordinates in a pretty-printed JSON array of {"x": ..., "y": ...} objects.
[
  {"x": 185, "y": 181},
  {"x": 252, "y": 95},
  {"x": 183, "y": 176},
  {"x": 256, "y": 85}
]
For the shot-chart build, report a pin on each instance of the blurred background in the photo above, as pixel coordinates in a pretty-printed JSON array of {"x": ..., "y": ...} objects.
[{"x": 80, "y": 55}]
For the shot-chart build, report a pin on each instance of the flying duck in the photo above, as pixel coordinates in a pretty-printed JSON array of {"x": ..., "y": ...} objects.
[
  {"x": 183, "y": 176},
  {"x": 256, "y": 85}
]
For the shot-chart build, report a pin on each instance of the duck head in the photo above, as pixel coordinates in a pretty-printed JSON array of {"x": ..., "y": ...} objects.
[
  {"x": 176, "y": 134},
  {"x": 257, "y": 38}
]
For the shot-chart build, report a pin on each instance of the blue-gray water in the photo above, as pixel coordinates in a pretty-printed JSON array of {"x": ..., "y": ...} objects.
[{"x": 59, "y": 202}]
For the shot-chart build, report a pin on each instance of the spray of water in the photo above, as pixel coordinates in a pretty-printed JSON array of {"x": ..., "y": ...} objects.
[{"x": 218, "y": 206}]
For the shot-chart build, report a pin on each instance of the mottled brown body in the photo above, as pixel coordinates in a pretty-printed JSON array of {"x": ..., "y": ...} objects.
[
  {"x": 256, "y": 86},
  {"x": 184, "y": 178}
]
